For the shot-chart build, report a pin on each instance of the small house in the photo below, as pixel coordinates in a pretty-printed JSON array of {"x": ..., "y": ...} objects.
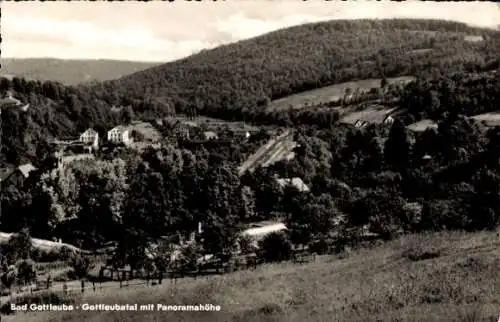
[
  {"x": 210, "y": 135},
  {"x": 388, "y": 120}
]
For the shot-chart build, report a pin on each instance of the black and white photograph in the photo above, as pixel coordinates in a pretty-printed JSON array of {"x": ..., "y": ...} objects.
[{"x": 250, "y": 161}]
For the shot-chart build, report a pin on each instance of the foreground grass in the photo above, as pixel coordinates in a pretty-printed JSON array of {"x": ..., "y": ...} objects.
[{"x": 437, "y": 277}]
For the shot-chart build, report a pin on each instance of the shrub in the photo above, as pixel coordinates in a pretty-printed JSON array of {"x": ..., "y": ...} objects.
[
  {"x": 9, "y": 277},
  {"x": 276, "y": 247},
  {"x": 246, "y": 245},
  {"x": 319, "y": 246},
  {"x": 26, "y": 270},
  {"x": 421, "y": 252},
  {"x": 81, "y": 265},
  {"x": 19, "y": 246}
]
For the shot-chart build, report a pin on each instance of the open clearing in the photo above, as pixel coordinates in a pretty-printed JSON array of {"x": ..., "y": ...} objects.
[
  {"x": 490, "y": 119},
  {"x": 212, "y": 123},
  {"x": 373, "y": 114},
  {"x": 448, "y": 276},
  {"x": 422, "y": 125},
  {"x": 330, "y": 93},
  {"x": 146, "y": 130}
]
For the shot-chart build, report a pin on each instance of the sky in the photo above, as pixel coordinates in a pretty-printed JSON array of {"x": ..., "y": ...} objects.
[{"x": 165, "y": 31}]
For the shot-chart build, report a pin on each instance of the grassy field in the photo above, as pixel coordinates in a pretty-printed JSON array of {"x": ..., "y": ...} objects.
[
  {"x": 212, "y": 123},
  {"x": 435, "y": 277},
  {"x": 490, "y": 119},
  {"x": 146, "y": 130},
  {"x": 329, "y": 93},
  {"x": 373, "y": 114},
  {"x": 422, "y": 125}
]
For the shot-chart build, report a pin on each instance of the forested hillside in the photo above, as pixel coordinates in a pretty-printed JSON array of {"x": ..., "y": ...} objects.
[
  {"x": 237, "y": 81},
  {"x": 234, "y": 80},
  {"x": 70, "y": 71}
]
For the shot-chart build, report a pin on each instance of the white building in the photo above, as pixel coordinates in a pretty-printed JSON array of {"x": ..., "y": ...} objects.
[
  {"x": 119, "y": 134},
  {"x": 90, "y": 137},
  {"x": 295, "y": 182}
]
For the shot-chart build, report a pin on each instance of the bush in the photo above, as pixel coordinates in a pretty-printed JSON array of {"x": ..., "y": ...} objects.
[
  {"x": 81, "y": 265},
  {"x": 19, "y": 246},
  {"x": 276, "y": 247},
  {"x": 246, "y": 245},
  {"x": 319, "y": 247},
  {"x": 9, "y": 277},
  {"x": 26, "y": 270}
]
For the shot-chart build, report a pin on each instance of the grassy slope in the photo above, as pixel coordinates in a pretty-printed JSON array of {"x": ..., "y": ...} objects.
[
  {"x": 70, "y": 72},
  {"x": 329, "y": 93},
  {"x": 380, "y": 284}
]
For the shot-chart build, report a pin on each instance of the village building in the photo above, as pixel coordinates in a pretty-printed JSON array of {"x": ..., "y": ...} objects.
[
  {"x": 119, "y": 134},
  {"x": 210, "y": 135},
  {"x": 90, "y": 137}
]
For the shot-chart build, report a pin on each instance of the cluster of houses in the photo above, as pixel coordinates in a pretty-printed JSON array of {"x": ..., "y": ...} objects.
[{"x": 118, "y": 135}]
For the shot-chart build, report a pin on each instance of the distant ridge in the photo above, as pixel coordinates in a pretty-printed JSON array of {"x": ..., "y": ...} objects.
[{"x": 70, "y": 71}]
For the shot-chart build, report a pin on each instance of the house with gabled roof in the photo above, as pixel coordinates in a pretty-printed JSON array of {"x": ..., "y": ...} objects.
[
  {"x": 90, "y": 137},
  {"x": 119, "y": 134}
]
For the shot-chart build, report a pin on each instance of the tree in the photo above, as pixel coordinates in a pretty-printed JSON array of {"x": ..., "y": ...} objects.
[
  {"x": 81, "y": 265},
  {"x": 276, "y": 247},
  {"x": 19, "y": 246},
  {"x": 397, "y": 147},
  {"x": 26, "y": 270}
]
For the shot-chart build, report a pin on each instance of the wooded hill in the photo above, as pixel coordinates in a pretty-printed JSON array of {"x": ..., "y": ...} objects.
[
  {"x": 238, "y": 80},
  {"x": 233, "y": 80}
]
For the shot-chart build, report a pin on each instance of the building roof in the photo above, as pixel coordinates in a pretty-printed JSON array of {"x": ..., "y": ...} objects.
[
  {"x": 262, "y": 231},
  {"x": 210, "y": 134},
  {"x": 90, "y": 131},
  {"x": 26, "y": 169},
  {"x": 296, "y": 182},
  {"x": 120, "y": 128}
]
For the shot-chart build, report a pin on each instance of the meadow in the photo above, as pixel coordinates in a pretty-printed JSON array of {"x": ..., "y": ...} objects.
[
  {"x": 490, "y": 119},
  {"x": 329, "y": 93},
  {"x": 450, "y": 276}
]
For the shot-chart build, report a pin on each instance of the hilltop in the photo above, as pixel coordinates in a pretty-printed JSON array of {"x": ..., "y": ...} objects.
[
  {"x": 238, "y": 79},
  {"x": 70, "y": 71}
]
